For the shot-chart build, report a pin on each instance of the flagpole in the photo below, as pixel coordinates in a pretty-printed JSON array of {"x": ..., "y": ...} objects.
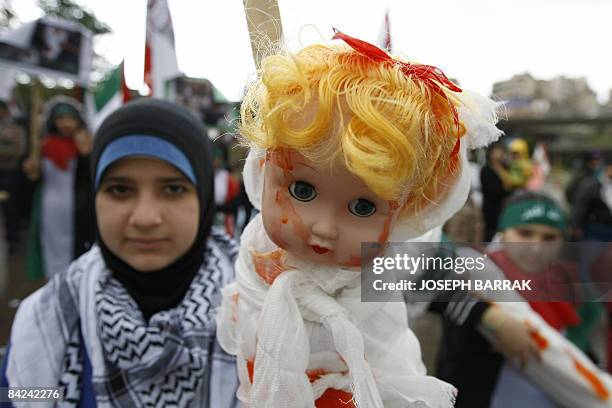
[
  {"x": 32, "y": 164},
  {"x": 264, "y": 24}
]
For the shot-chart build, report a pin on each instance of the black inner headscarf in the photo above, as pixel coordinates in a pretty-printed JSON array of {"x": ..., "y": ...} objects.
[{"x": 165, "y": 288}]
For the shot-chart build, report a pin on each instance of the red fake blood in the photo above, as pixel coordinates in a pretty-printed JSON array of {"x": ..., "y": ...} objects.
[
  {"x": 384, "y": 235},
  {"x": 540, "y": 340},
  {"x": 235, "y": 297},
  {"x": 280, "y": 157},
  {"x": 269, "y": 265},
  {"x": 353, "y": 261},
  {"x": 598, "y": 387},
  {"x": 331, "y": 398}
]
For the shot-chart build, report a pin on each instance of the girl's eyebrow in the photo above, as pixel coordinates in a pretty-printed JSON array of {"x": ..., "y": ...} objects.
[
  {"x": 117, "y": 179},
  {"x": 178, "y": 179}
]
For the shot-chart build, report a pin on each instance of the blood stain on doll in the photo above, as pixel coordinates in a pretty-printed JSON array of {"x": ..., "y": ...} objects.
[
  {"x": 384, "y": 235},
  {"x": 280, "y": 157},
  {"x": 288, "y": 214},
  {"x": 353, "y": 261}
]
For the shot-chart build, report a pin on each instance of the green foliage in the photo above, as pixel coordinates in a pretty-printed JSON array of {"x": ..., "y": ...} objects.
[{"x": 71, "y": 11}]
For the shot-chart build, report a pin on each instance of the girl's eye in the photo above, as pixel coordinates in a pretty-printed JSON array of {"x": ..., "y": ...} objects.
[
  {"x": 175, "y": 189},
  {"x": 302, "y": 191},
  {"x": 362, "y": 207},
  {"x": 118, "y": 190}
]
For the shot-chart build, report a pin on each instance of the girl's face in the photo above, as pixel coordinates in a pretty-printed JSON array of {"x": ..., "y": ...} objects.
[
  {"x": 66, "y": 125},
  {"x": 319, "y": 214},
  {"x": 532, "y": 247},
  {"x": 148, "y": 212}
]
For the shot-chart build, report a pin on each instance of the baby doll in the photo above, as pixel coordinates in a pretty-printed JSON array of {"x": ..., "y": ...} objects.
[{"x": 349, "y": 145}]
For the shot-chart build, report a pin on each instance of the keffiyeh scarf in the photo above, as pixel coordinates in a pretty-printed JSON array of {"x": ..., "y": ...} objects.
[{"x": 173, "y": 360}]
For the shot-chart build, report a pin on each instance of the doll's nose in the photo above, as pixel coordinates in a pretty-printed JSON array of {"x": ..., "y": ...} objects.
[{"x": 325, "y": 227}]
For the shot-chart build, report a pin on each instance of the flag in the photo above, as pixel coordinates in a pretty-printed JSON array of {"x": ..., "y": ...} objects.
[
  {"x": 160, "y": 56},
  {"x": 106, "y": 97},
  {"x": 384, "y": 38}
]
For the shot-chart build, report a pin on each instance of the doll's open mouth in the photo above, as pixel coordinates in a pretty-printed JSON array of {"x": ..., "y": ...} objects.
[{"x": 318, "y": 249}]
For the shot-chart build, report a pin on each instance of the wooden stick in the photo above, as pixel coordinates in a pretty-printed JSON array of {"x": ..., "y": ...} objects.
[
  {"x": 34, "y": 119},
  {"x": 265, "y": 28}
]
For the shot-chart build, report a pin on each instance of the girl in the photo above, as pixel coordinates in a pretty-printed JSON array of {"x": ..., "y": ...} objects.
[
  {"x": 131, "y": 323},
  {"x": 62, "y": 223},
  {"x": 349, "y": 145}
]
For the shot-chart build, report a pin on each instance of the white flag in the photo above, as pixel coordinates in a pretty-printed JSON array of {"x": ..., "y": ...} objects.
[{"x": 160, "y": 55}]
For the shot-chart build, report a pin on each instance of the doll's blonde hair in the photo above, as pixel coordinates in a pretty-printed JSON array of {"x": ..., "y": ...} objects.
[{"x": 329, "y": 101}]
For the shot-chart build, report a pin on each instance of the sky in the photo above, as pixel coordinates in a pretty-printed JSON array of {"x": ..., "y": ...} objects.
[{"x": 477, "y": 42}]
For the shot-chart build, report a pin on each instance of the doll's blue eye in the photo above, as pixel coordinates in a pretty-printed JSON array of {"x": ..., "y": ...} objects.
[
  {"x": 362, "y": 207},
  {"x": 302, "y": 191}
]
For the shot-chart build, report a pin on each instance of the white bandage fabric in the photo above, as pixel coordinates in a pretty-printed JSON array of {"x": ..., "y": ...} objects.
[{"x": 312, "y": 319}]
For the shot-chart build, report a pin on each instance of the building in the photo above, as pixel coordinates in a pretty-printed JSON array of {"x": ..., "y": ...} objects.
[{"x": 526, "y": 96}]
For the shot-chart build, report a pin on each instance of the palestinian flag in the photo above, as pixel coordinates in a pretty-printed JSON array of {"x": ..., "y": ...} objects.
[{"x": 108, "y": 95}]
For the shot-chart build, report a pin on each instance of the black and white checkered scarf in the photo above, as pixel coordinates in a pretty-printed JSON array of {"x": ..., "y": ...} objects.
[{"x": 174, "y": 360}]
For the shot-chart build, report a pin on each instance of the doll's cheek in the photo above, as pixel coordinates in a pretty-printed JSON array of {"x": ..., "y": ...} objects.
[
  {"x": 353, "y": 261},
  {"x": 290, "y": 216}
]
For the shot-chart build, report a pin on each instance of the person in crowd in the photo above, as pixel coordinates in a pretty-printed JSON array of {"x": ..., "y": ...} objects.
[
  {"x": 531, "y": 227},
  {"x": 592, "y": 212},
  {"x": 590, "y": 165},
  {"x": 495, "y": 187},
  {"x": 61, "y": 226},
  {"x": 13, "y": 146},
  {"x": 521, "y": 168},
  {"x": 131, "y": 322}
]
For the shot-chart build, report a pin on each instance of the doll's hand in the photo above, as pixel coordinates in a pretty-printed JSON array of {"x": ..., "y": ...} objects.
[
  {"x": 83, "y": 141},
  {"x": 513, "y": 338}
]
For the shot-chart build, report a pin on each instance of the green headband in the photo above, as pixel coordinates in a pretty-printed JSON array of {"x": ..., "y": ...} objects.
[
  {"x": 533, "y": 211},
  {"x": 63, "y": 109}
]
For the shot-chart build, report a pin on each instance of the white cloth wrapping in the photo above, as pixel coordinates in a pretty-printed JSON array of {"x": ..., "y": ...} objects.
[
  {"x": 558, "y": 373},
  {"x": 312, "y": 319}
]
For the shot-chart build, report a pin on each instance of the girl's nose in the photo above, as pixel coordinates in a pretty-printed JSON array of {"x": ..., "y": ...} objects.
[{"x": 146, "y": 214}]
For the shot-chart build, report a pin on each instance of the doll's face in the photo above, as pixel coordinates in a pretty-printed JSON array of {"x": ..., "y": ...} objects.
[{"x": 319, "y": 214}]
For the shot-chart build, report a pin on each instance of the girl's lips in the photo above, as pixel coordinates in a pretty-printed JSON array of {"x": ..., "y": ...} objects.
[
  {"x": 146, "y": 243},
  {"x": 318, "y": 249}
]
